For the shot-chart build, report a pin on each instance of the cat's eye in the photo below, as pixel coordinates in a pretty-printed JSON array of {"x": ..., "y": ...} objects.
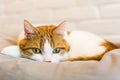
[
  {"x": 36, "y": 50},
  {"x": 56, "y": 50}
]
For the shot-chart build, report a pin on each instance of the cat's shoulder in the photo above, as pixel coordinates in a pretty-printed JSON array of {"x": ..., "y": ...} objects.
[
  {"x": 80, "y": 32},
  {"x": 85, "y": 35}
]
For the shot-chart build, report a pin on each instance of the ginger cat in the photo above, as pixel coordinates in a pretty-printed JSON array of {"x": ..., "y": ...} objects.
[{"x": 52, "y": 43}]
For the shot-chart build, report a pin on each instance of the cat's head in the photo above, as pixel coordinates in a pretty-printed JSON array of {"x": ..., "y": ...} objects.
[{"x": 44, "y": 43}]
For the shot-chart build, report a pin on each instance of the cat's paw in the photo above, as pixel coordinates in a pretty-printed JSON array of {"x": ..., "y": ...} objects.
[{"x": 12, "y": 51}]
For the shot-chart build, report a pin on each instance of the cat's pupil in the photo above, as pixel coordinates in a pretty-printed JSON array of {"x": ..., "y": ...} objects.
[
  {"x": 36, "y": 50},
  {"x": 56, "y": 50}
]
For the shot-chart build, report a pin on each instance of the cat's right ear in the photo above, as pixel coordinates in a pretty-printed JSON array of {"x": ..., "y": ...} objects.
[
  {"x": 61, "y": 28},
  {"x": 28, "y": 28}
]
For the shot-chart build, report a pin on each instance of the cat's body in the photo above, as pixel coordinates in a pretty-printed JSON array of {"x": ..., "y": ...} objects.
[{"x": 54, "y": 44}]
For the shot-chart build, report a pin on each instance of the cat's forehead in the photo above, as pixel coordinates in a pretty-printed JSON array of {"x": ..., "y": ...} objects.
[
  {"x": 46, "y": 28},
  {"x": 45, "y": 34},
  {"x": 46, "y": 31}
]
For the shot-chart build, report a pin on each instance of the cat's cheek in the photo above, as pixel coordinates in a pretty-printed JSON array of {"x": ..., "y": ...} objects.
[
  {"x": 37, "y": 57},
  {"x": 55, "y": 61},
  {"x": 55, "y": 58}
]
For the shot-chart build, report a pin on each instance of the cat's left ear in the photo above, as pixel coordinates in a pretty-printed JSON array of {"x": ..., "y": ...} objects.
[
  {"x": 28, "y": 28},
  {"x": 61, "y": 28}
]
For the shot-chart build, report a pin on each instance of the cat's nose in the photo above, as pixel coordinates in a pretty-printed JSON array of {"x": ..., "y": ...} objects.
[{"x": 47, "y": 60}]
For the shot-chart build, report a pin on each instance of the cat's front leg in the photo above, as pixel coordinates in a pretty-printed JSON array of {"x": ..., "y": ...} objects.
[{"x": 12, "y": 51}]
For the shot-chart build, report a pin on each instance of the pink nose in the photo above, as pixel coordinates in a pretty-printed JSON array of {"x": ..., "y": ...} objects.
[{"x": 47, "y": 60}]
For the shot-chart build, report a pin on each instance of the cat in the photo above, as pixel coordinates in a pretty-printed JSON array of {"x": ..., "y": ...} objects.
[{"x": 50, "y": 43}]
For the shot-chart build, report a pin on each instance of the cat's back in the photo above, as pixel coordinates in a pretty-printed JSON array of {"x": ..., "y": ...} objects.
[
  {"x": 84, "y": 43},
  {"x": 84, "y": 36}
]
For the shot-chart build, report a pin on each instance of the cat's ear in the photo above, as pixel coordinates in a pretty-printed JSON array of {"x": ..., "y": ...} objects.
[
  {"x": 28, "y": 28},
  {"x": 61, "y": 28}
]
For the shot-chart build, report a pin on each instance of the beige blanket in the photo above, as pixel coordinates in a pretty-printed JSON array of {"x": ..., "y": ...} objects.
[{"x": 24, "y": 69}]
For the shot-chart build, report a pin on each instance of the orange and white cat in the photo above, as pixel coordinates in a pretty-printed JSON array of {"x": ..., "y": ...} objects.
[{"x": 52, "y": 43}]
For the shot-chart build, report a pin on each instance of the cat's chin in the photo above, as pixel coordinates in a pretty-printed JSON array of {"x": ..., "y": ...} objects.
[
  {"x": 54, "y": 61},
  {"x": 48, "y": 61},
  {"x": 37, "y": 57}
]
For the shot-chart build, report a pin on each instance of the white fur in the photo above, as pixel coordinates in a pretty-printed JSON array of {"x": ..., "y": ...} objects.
[
  {"x": 47, "y": 48},
  {"x": 12, "y": 51},
  {"x": 37, "y": 57},
  {"x": 47, "y": 51},
  {"x": 84, "y": 44}
]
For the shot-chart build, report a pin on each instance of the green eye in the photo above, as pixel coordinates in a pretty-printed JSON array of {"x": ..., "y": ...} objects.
[
  {"x": 56, "y": 50},
  {"x": 36, "y": 50}
]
